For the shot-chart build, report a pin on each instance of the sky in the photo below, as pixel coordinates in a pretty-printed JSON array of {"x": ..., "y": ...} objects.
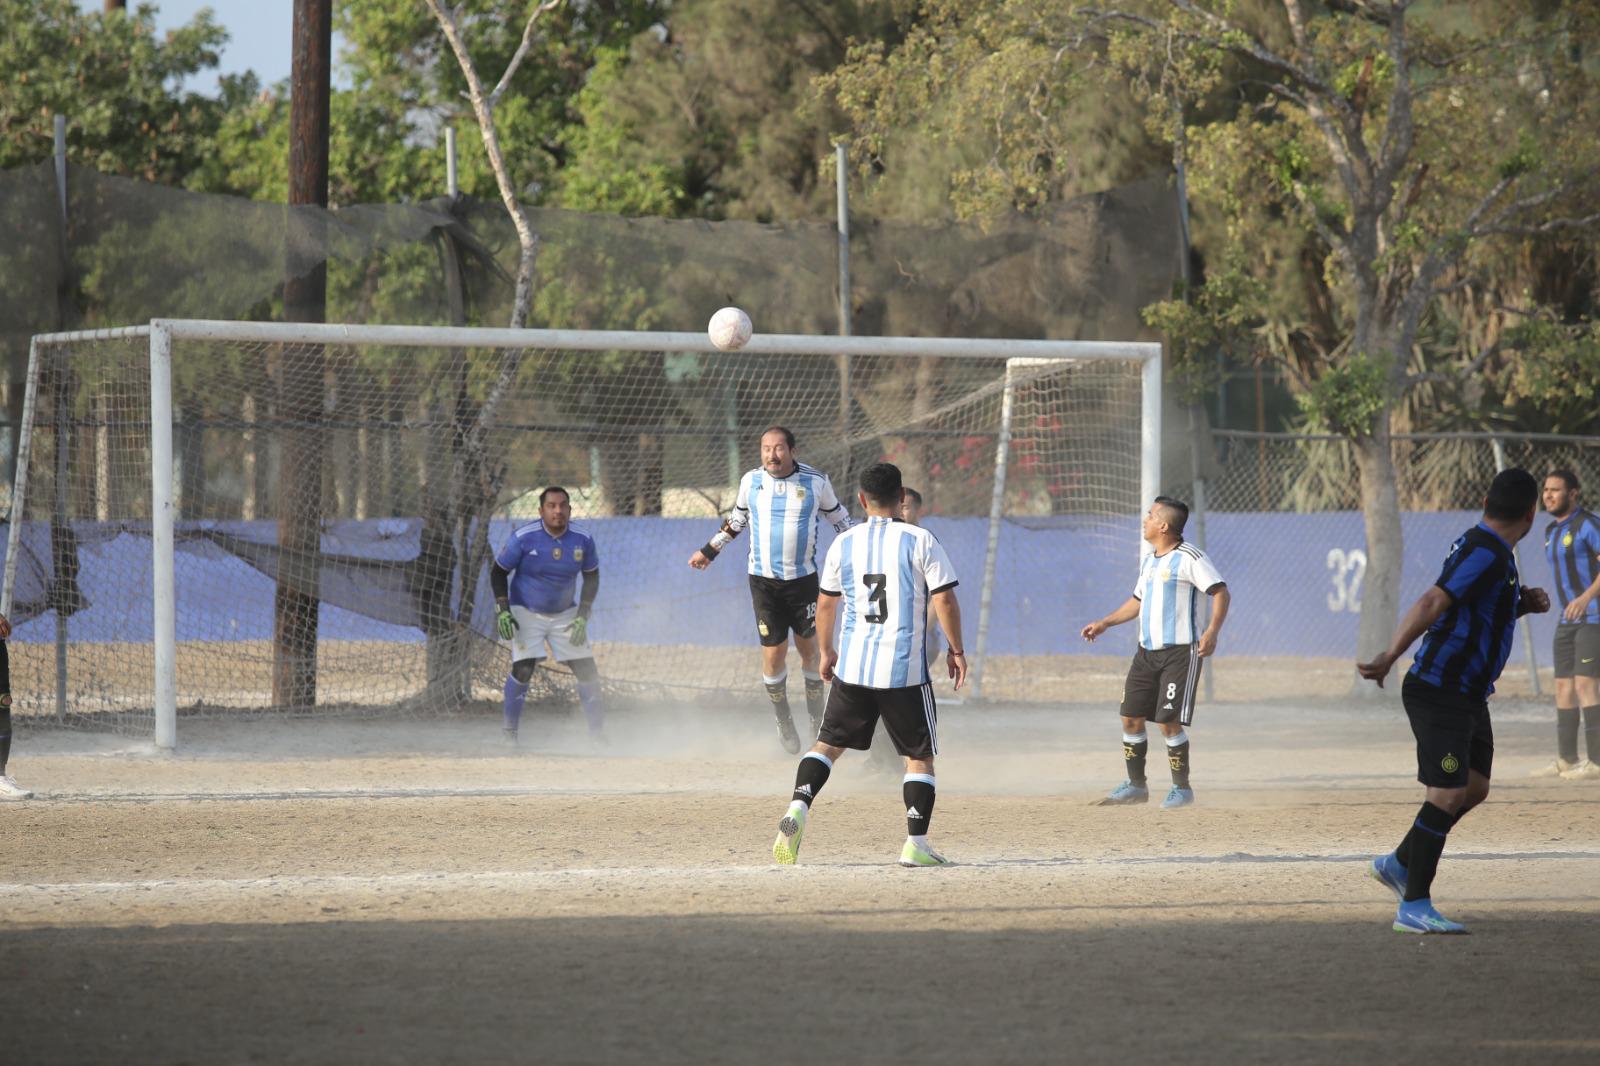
[{"x": 258, "y": 36}]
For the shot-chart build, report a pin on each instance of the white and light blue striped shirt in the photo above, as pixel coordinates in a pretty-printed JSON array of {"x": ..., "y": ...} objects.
[
  {"x": 1168, "y": 593},
  {"x": 782, "y": 514},
  {"x": 886, "y": 571}
]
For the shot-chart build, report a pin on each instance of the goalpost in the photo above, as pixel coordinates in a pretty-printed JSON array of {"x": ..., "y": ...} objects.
[{"x": 181, "y": 486}]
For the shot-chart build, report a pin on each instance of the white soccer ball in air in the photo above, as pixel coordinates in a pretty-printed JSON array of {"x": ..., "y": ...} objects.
[{"x": 730, "y": 328}]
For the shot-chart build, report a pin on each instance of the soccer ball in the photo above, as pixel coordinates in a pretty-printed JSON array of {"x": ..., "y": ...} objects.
[{"x": 729, "y": 329}]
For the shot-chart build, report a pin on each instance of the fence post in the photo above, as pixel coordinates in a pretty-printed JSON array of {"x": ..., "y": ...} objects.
[
  {"x": 1527, "y": 623},
  {"x": 1198, "y": 512}
]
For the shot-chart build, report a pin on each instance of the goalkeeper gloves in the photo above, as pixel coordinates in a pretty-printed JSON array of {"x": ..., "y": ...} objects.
[
  {"x": 579, "y": 630},
  {"x": 507, "y": 623}
]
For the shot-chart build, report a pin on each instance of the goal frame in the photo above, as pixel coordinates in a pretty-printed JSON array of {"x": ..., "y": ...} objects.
[{"x": 163, "y": 332}]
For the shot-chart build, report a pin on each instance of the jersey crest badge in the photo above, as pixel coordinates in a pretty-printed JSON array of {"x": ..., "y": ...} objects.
[
  {"x": 799, "y": 493},
  {"x": 555, "y": 553},
  {"x": 577, "y": 555},
  {"x": 1566, "y": 541}
]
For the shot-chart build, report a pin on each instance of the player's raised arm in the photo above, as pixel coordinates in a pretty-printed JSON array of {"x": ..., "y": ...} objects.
[
  {"x": 1126, "y": 613},
  {"x": 828, "y": 505},
  {"x": 1426, "y": 611},
  {"x": 731, "y": 526}
]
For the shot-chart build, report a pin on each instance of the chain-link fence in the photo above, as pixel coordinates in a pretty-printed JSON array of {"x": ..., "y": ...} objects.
[{"x": 1282, "y": 517}]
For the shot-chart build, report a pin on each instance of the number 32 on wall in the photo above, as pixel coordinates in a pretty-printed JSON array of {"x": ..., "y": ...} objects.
[{"x": 1346, "y": 568}]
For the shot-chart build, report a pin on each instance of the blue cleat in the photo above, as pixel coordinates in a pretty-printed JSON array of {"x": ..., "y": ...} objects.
[
  {"x": 1178, "y": 797},
  {"x": 1418, "y": 916},
  {"x": 1387, "y": 871},
  {"x": 1125, "y": 794}
]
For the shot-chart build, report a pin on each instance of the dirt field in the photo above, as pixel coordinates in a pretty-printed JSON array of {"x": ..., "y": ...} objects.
[{"x": 363, "y": 891}]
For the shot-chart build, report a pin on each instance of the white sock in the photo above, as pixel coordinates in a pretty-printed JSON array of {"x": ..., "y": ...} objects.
[{"x": 919, "y": 841}]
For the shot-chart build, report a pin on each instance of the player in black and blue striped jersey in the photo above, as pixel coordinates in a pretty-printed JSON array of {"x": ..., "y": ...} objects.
[
  {"x": 1572, "y": 548},
  {"x": 1466, "y": 621}
]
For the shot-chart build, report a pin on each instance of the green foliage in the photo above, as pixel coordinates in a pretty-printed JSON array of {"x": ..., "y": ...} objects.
[
  {"x": 1555, "y": 373},
  {"x": 1220, "y": 316},
  {"x": 113, "y": 78},
  {"x": 1348, "y": 396}
]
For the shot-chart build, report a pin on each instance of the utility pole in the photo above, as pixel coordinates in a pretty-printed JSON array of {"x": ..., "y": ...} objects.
[{"x": 305, "y": 299}]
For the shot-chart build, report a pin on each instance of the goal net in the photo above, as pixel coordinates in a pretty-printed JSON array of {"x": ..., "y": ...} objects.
[{"x": 328, "y": 499}]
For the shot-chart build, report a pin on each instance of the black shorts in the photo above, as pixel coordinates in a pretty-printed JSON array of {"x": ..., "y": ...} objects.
[
  {"x": 1161, "y": 684},
  {"x": 909, "y": 715},
  {"x": 1577, "y": 649},
  {"x": 1452, "y": 730},
  {"x": 784, "y": 605}
]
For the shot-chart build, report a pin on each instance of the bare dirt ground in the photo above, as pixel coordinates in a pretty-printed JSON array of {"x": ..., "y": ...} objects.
[{"x": 312, "y": 891}]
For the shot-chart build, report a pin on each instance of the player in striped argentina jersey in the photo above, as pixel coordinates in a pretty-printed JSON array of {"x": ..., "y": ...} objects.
[
  {"x": 884, "y": 576},
  {"x": 1166, "y": 668},
  {"x": 782, "y": 501}
]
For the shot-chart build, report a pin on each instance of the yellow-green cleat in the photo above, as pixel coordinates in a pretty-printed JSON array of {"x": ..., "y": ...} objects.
[
  {"x": 786, "y": 849},
  {"x": 914, "y": 854}
]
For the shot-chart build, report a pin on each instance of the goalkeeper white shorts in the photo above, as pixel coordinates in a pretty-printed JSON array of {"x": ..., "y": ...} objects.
[{"x": 534, "y": 630}]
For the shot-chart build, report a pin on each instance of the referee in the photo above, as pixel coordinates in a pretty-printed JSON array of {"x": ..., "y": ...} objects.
[
  {"x": 1572, "y": 548},
  {"x": 1166, "y": 668},
  {"x": 1466, "y": 621}
]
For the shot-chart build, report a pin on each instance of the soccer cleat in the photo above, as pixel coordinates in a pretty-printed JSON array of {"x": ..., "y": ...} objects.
[
  {"x": 1387, "y": 871},
  {"x": 1554, "y": 769},
  {"x": 1418, "y": 916},
  {"x": 10, "y": 790},
  {"x": 508, "y": 737},
  {"x": 791, "y": 828},
  {"x": 1178, "y": 797},
  {"x": 1584, "y": 771},
  {"x": 1125, "y": 794},
  {"x": 786, "y": 734},
  {"x": 914, "y": 854}
]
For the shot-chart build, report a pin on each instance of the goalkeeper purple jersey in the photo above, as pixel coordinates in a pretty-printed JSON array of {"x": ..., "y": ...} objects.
[{"x": 544, "y": 569}]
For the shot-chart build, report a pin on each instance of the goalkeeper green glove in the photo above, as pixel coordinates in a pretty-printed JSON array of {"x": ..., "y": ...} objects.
[
  {"x": 579, "y": 631},
  {"x": 506, "y": 622}
]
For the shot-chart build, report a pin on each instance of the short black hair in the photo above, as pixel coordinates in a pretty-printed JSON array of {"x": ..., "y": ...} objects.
[
  {"x": 881, "y": 483},
  {"x": 913, "y": 495},
  {"x": 788, "y": 436},
  {"x": 1177, "y": 510},
  {"x": 1511, "y": 496},
  {"x": 554, "y": 488},
  {"x": 1568, "y": 476}
]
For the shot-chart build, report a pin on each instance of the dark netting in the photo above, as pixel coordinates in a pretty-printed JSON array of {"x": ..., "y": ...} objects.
[{"x": 652, "y": 445}]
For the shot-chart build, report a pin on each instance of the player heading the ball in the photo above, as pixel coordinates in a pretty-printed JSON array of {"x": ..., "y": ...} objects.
[{"x": 782, "y": 500}]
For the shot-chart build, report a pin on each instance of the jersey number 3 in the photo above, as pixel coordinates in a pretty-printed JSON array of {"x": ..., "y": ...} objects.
[{"x": 877, "y": 598}]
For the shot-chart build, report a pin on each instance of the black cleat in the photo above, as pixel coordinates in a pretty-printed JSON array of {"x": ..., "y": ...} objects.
[{"x": 790, "y": 739}]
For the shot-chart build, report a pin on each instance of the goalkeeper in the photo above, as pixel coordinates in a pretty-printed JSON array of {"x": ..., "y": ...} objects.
[{"x": 534, "y": 577}]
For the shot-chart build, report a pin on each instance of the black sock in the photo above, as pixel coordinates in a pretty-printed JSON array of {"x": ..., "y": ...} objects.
[
  {"x": 814, "y": 695},
  {"x": 1591, "y": 734},
  {"x": 810, "y": 776},
  {"x": 5, "y": 736},
  {"x": 918, "y": 792},
  {"x": 1427, "y": 838},
  {"x": 1567, "y": 733},
  {"x": 1134, "y": 751},
  {"x": 778, "y": 693},
  {"x": 1178, "y": 759}
]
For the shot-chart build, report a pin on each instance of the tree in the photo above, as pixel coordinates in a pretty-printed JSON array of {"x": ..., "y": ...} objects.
[
  {"x": 1354, "y": 166},
  {"x": 114, "y": 79}
]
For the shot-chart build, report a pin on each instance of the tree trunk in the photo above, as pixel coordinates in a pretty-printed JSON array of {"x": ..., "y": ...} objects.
[{"x": 1380, "y": 508}]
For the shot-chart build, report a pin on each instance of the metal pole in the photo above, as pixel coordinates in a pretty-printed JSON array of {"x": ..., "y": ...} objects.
[
  {"x": 161, "y": 539},
  {"x": 1199, "y": 514},
  {"x": 1499, "y": 449},
  {"x": 19, "y": 487},
  {"x": 991, "y": 554},
  {"x": 450, "y": 162},
  {"x": 841, "y": 173},
  {"x": 63, "y": 439}
]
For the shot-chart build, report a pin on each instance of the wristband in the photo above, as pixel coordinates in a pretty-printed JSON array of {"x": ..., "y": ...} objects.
[
  {"x": 710, "y": 550},
  {"x": 960, "y": 653}
]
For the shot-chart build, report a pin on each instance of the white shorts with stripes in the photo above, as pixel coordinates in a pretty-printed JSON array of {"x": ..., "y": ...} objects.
[{"x": 534, "y": 630}]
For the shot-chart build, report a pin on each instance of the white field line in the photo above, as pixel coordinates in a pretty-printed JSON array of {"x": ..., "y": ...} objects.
[{"x": 680, "y": 875}]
